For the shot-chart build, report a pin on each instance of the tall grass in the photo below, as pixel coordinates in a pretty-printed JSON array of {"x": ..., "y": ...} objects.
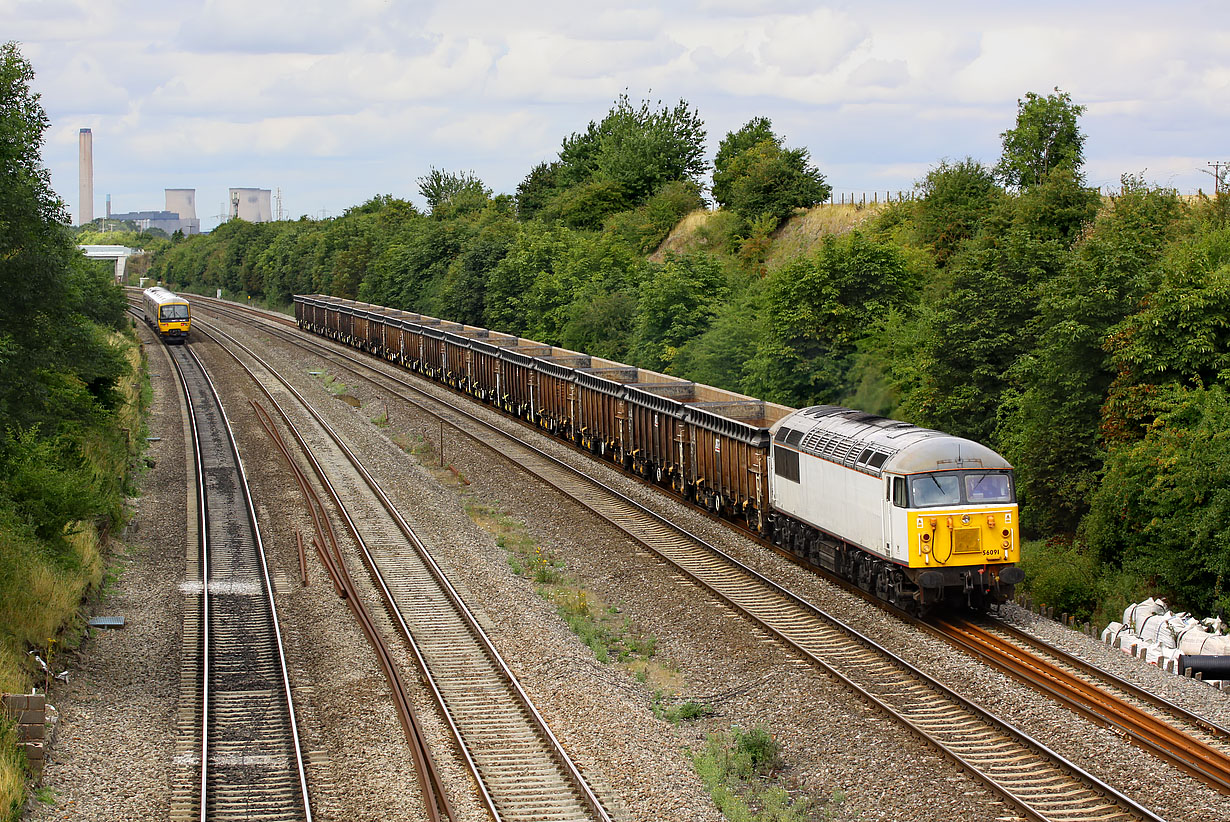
[{"x": 12, "y": 773}]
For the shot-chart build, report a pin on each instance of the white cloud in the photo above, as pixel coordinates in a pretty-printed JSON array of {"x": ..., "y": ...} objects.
[
  {"x": 302, "y": 90},
  {"x": 811, "y": 44}
]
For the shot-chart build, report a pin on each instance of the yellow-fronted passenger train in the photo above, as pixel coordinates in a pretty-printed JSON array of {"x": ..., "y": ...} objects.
[{"x": 167, "y": 313}]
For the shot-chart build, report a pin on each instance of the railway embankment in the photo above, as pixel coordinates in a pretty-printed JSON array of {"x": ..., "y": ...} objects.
[{"x": 62, "y": 503}]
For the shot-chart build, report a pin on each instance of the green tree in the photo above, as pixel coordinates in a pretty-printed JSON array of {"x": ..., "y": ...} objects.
[
  {"x": 756, "y": 175},
  {"x": 53, "y": 354},
  {"x": 1051, "y": 425},
  {"x": 720, "y": 355},
  {"x": 755, "y": 131},
  {"x": 619, "y": 163},
  {"x": 817, "y": 310},
  {"x": 533, "y": 252},
  {"x": 677, "y": 301},
  {"x": 954, "y": 198},
  {"x": 536, "y": 190},
  {"x": 1047, "y": 136},
  {"x": 770, "y": 181},
  {"x": 462, "y": 190},
  {"x": 1181, "y": 335},
  {"x": 646, "y": 226},
  {"x": 1163, "y": 509}
]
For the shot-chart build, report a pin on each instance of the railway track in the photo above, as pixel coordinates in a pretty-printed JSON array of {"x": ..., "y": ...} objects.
[
  {"x": 1036, "y": 781},
  {"x": 245, "y": 747},
  {"x": 1191, "y": 743},
  {"x": 521, "y": 770}
]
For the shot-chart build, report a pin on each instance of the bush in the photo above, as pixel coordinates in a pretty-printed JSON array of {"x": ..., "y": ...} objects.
[
  {"x": 645, "y": 228},
  {"x": 1061, "y": 575}
]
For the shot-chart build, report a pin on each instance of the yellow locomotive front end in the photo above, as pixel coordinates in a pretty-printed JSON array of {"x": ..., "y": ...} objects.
[{"x": 962, "y": 528}]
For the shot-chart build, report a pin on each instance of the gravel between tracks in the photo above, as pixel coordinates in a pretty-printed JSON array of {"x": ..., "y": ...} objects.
[
  {"x": 117, "y": 720},
  {"x": 827, "y": 749}
]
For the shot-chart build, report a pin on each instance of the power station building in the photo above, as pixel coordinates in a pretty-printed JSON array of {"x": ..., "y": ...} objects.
[
  {"x": 251, "y": 204},
  {"x": 179, "y": 215}
]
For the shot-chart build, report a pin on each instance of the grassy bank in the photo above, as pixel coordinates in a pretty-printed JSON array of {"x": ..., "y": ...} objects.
[{"x": 45, "y": 579}]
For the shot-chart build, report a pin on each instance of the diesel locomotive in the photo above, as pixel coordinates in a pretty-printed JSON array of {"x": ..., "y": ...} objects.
[{"x": 915, "y": 516}]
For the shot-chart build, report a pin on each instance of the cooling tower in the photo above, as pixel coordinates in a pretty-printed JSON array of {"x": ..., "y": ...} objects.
[
  {"x": 182, "y": 201},
  {"x": 252, "y": 204},
  {"x": 85, "y": 209}
]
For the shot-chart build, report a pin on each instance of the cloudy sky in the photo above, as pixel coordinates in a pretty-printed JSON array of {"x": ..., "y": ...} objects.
[{"x": 334, "y": 103}]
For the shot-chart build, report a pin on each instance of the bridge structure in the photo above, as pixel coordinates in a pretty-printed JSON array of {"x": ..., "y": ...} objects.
[{"x": 118, "y": 253}]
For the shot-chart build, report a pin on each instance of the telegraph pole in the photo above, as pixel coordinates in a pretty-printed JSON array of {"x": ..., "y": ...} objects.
[{"x": 1216, "y": 172}]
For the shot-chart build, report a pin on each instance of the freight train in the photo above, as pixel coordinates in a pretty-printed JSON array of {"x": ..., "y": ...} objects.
[
  {"x": 167, "y": 313},
  {"x": 915, "y": 516}
]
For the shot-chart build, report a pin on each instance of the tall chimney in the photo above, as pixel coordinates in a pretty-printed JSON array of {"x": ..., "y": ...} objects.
[{"x": 85, "y": 211}]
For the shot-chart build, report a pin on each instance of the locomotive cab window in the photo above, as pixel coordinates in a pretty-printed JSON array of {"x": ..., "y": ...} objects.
[
  {"x": 961, "y": 488},
  {"x": 900, "y": 497},
  {"x": 932, "y": 490},
  {"x": 988, "y": 488},
  {"x": 174, "y": 312}
]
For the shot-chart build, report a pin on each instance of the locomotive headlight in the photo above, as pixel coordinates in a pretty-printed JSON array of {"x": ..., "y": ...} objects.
[
  {"x": 1007, "y": 543},
  {"x": 965, "y": 520}
]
